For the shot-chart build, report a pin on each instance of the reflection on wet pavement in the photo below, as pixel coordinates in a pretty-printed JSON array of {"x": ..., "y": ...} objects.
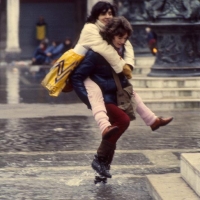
[
  {"x": 81, "y": 133},
  {"x": 78, "y": 188},
  {"x": 23, "y": 86},
  {"x": 48, "y": 157}
]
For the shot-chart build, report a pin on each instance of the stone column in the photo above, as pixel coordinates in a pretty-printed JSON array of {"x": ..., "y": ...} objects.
[
  {"x": 90, "y": 3},
  {"x": 12, "y": 43},
  {"x": 2, "y": 29}
]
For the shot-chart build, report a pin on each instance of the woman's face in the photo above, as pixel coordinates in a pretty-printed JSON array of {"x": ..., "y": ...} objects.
[
  {"x": 119, "y": 41},
  {"x": 105, "y": 17}
]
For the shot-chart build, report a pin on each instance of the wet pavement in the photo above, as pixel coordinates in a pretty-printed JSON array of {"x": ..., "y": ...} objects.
[
  {"x": 22, "y": 85},
  {"x": 47, "y": 144}
]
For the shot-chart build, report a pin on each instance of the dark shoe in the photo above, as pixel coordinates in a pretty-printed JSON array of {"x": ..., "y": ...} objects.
[
  {"x": 100, "y": 166},
  {"x": 160, "y": 121},
  {"x": 109, "y": 131},
  {"x": 99, "y": 179}
]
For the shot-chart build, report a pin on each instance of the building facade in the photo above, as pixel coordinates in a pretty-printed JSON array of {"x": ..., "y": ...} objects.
[{"x": 18, "y": 18}]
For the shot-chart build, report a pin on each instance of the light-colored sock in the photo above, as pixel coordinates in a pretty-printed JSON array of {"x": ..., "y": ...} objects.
[
  {"x": 145, "y": 113},
  {"x": 96, "y": 100},
  {"x": 102, "y": 120}
]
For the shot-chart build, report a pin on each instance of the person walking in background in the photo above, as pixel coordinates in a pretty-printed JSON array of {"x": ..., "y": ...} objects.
[
  {"x": 41, "y": 29},
  {"x": 151, "y": 40}
]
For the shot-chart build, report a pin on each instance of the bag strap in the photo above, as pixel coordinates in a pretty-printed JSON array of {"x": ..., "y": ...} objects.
[{"x": 117, "y": 82}]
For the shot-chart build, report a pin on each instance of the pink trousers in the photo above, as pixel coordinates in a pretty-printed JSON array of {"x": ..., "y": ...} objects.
[{"x": 99, "y": 110}]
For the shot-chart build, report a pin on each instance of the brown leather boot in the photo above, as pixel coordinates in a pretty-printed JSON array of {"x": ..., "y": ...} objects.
[
  {"x": 109, "y": 131},
  {"x": 160, "y": 121}
]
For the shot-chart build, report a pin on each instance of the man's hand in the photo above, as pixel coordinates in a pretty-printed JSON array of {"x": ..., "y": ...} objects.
[{"x": 127, "y": 71}]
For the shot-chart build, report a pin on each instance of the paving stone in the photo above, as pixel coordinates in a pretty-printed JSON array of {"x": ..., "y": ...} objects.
[
  {"x": 47, "y": 144},
  {"x": 62, "y": 159}
]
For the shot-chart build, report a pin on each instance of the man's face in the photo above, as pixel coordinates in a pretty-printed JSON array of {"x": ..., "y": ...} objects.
[
  {"x": 104, "y": 17},
  {"x": 119, "y": 41}
]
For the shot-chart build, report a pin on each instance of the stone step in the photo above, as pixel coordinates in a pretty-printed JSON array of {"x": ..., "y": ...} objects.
[
  {"x": 170, "y": 104},
  {"x": 167, "y": 93},
  {"x": 169, "y": 187},
  {"x": 141, "y": 70},
  {"x": 154, "y": 91},
  {"x": 143, "y": 64},
  {"x": 190, "y": 170},
  {"x": 165, "y": 82},
  {"x": 144, "y": 61}
]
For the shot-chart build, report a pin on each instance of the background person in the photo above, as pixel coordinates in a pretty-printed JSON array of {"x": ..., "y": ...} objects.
[
  {"x": 39, "y": 55},
  {"x": 151, "y": 40},
  {"x": 59, "y": 49},
  {"x": 41, "y": 29}
]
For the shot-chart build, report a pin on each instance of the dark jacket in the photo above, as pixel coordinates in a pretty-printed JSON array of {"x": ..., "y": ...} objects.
[{"x": 100, "y": 71}]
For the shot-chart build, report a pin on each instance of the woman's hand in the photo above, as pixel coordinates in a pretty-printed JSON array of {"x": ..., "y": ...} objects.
[{"x": 127, "y": 71}]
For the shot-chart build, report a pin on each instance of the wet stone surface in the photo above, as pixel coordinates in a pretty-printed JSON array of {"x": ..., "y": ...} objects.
[
  {"x": 65, "y": 159},
  {"x": 81, "y": 133},
  {"x": 62, "y": 189},
  {"x": 49, "y": 157},
  {"x": 22, "y": 86}
]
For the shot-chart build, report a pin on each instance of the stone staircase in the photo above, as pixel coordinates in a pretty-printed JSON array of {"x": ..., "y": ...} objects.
[
  {"x": 183, "y": 186},
  {"x": 165, "y": 92}
]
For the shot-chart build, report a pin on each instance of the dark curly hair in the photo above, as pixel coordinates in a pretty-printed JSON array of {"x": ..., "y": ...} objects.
[
  {"x": 117, "y": 26},
  {"x": 100, "y": 7}
]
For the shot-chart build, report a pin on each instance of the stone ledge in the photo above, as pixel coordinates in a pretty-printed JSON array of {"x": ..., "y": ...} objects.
[
  {"x": 190, "y": 170},
  {"x": 169, "y": 187}
]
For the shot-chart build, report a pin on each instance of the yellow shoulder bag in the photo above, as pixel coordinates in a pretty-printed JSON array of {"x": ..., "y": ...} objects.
[{"x": 58, "y": 77}]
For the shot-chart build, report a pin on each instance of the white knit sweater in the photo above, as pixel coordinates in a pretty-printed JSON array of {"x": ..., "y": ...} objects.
[{"x": 90, "y": 38}]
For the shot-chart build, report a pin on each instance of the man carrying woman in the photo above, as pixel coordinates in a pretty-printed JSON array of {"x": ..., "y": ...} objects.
[
  {"x": 89, "y": 81},
  {"x": 90, "y": 38},
  {"x": 95, "y": 66}
]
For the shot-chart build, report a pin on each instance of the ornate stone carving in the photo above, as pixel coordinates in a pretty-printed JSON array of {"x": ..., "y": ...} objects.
[
  {"x": 132, "y": 10},
  {"x": 155, "y": 8},
  {"x": 189, "y": 9},
  {"x": 138, "y": 39},
  {"x": 170, "y": 49},
  {"x": 135, "y": 13},
  {"x": 185, "y": 9},
  {"x": 177, "y": 25}
]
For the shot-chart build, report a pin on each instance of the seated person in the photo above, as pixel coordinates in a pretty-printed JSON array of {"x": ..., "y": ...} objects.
[
  {"x": 39, "y": 55},
  {"x": 58, "y": 50},
  {"x": 50, "y": 51}
]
